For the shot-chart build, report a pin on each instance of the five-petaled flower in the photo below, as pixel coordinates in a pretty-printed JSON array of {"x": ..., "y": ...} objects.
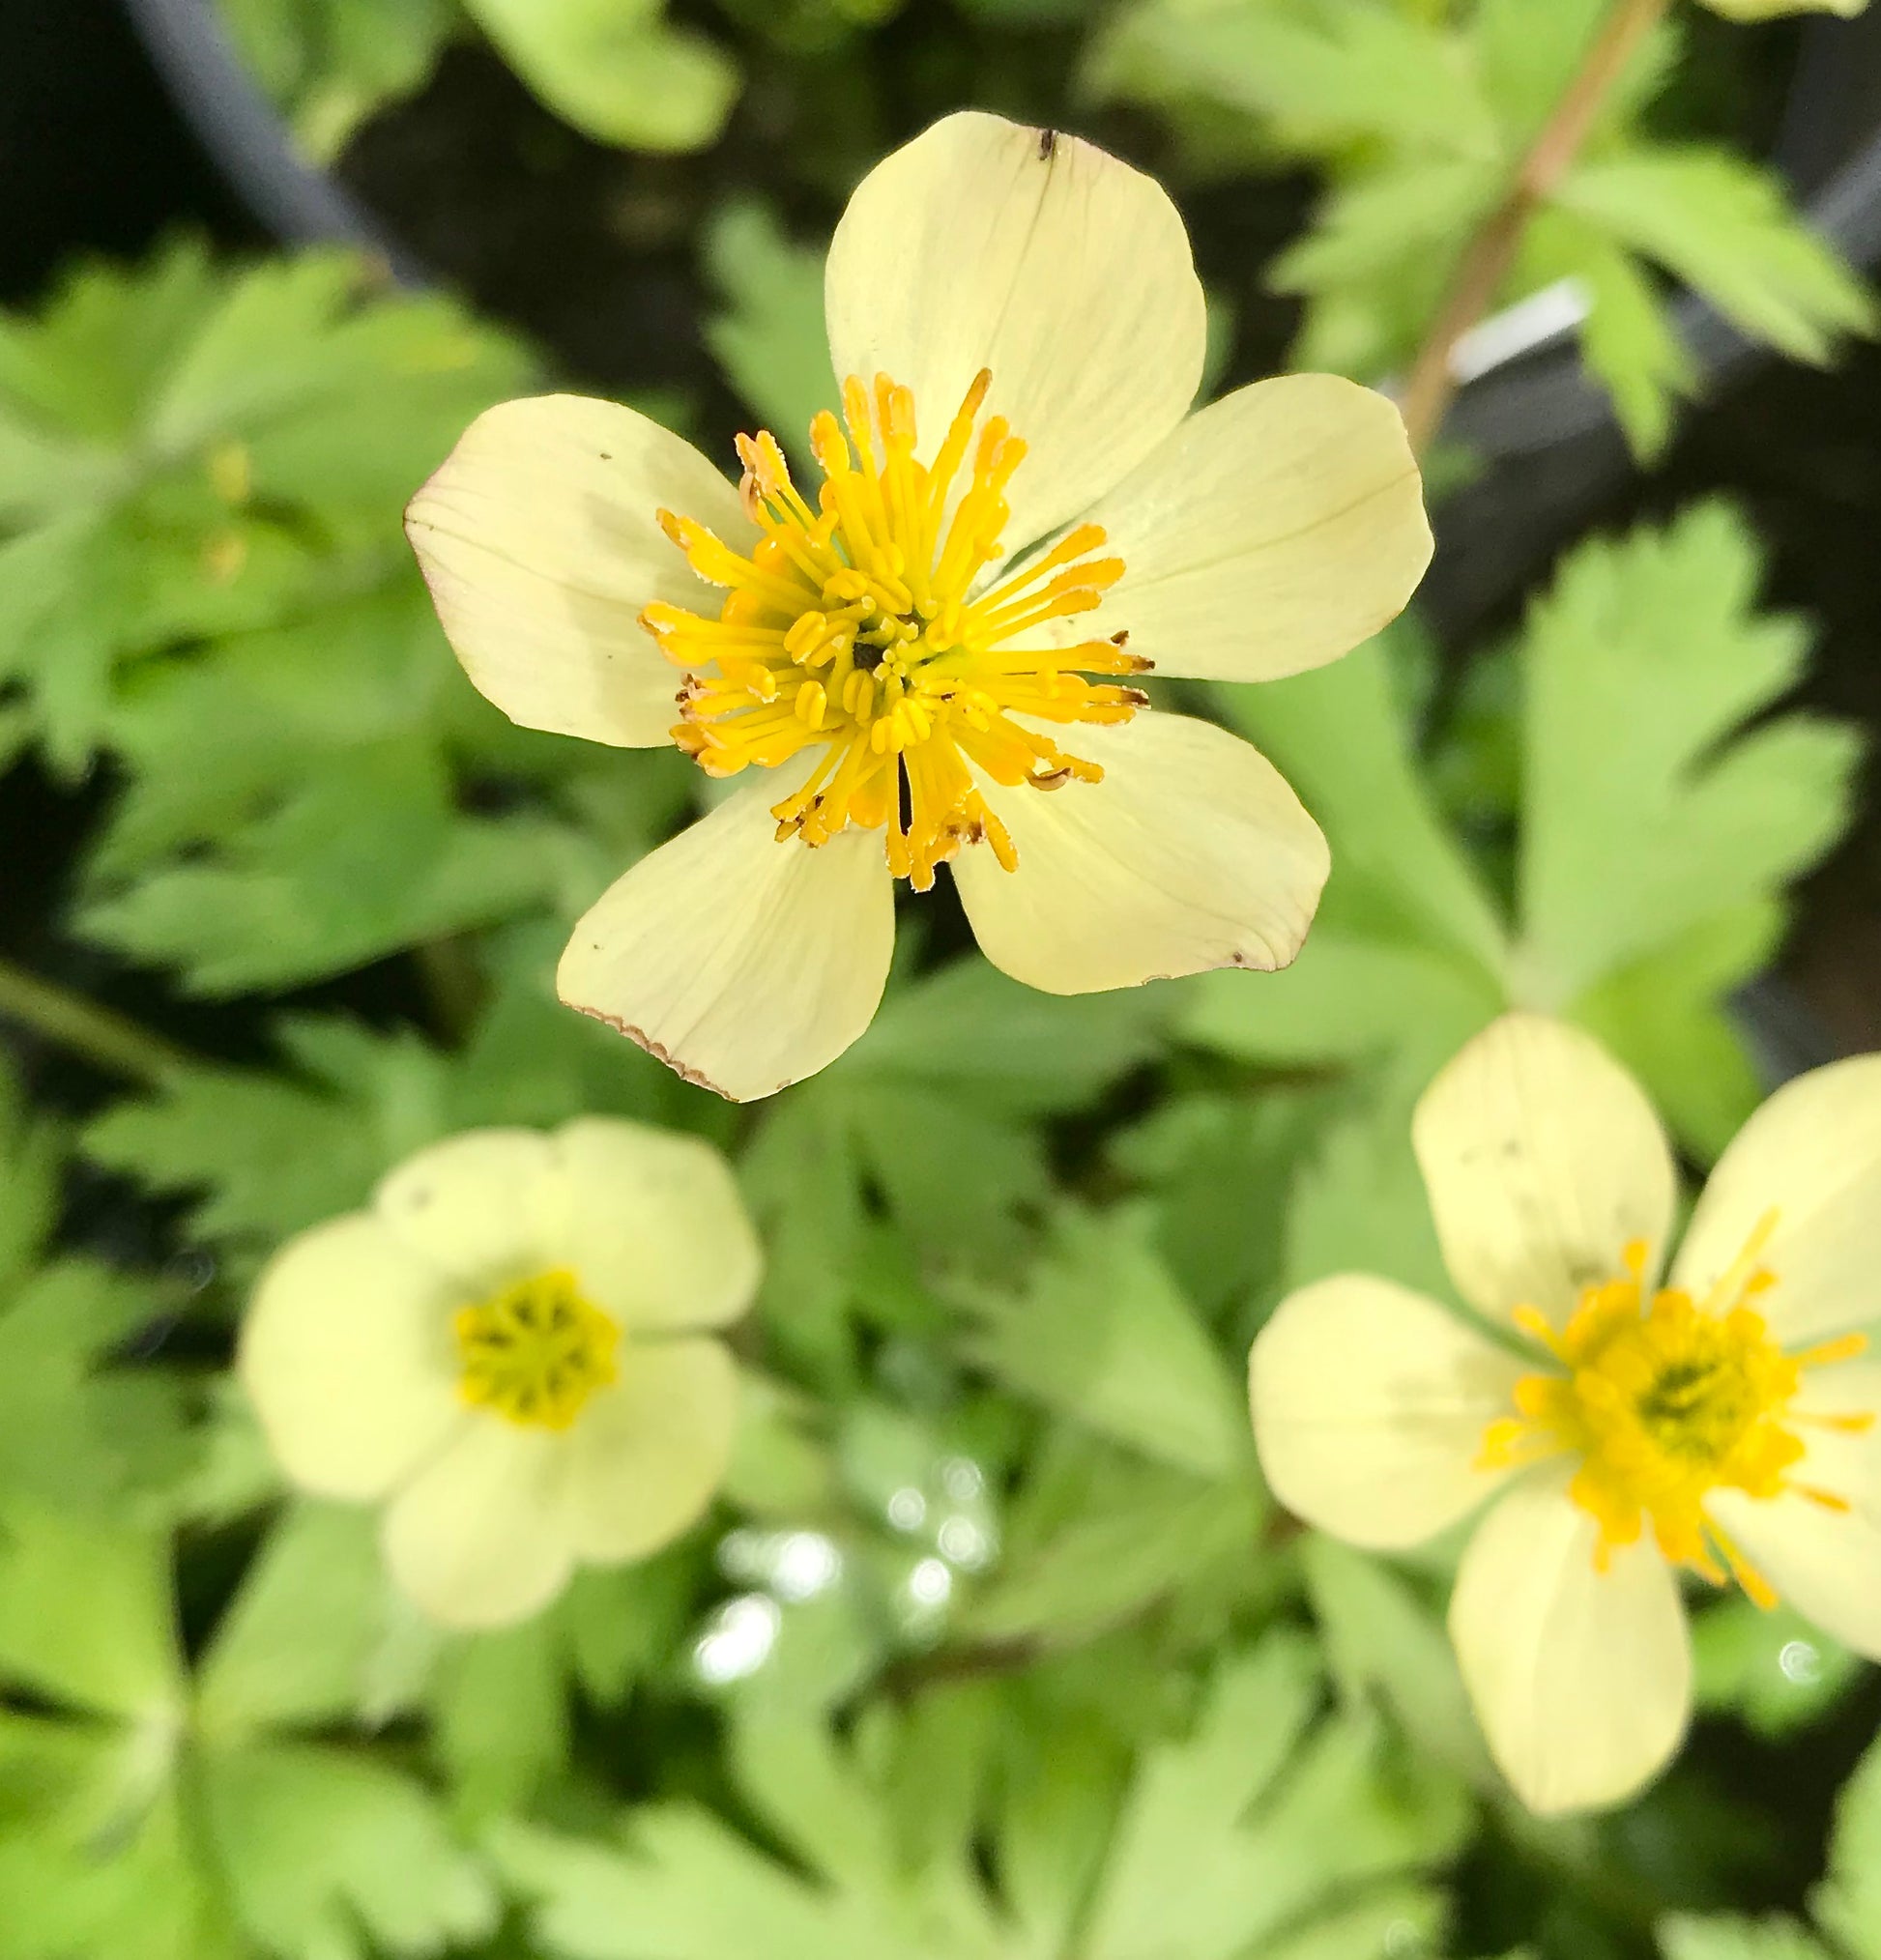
[
  {"x": 512, "y": 1349},
  {"x": 1720, "y": 1423},
  {"x": 929, "y": 658}
]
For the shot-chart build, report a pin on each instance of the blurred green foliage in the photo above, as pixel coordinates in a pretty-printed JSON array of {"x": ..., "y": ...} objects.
[{"x": 997, "y": 1646}]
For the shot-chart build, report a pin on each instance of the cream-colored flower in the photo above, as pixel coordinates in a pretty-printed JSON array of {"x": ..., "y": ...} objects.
[
  {"x": 1019, "y": 331},
  {"x": 1769, "y": 10},
  {"x": 511, "y": 1349},
  {"x": 1720, "y": 1423}
]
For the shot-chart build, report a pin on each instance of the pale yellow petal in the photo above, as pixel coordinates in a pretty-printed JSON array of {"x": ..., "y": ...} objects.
[
  {"x": 347, "y": 1356},
  {"x": 650, "y": 1452},
  {"x": 742, "y": 963},
  {"x": 1369, "y": 1405},
  {"x": 538, "y": 540},
  {"x": 1192, "y": 854},
  {"x": 1581, "y": 1678},
  {"x": 1822, "y": 1558},
  {"x": 654, "y": 1226},
  {"x": 1543, "y": 1161},
  {"x": 987, "y": 243},
  {"x": 1271, "y": 533},
  {"x": 1812, "y": 1156},
  {"x": 480, "y": 1207},
  {"x": 482, "y": 1536}
]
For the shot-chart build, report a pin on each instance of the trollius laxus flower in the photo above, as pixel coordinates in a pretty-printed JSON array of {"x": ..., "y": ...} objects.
[
  {"x": 512, "y": 1349},
  {"x": 1718, "y": 1422},
  {"x": 929, "y": 657}
]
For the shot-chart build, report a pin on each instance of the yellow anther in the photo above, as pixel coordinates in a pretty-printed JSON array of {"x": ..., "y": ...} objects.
[
  {"x": 535, "y": 1352},
  {"x": 874, "y": 592},
  {"x": 1665, "y": 1399}
]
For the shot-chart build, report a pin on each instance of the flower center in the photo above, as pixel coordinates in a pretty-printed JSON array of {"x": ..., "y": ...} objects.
[
  {"x": 1666, "y": 1400},
  {"x": 535, "y": 1351},
  {"x": 855, "y": 626}
]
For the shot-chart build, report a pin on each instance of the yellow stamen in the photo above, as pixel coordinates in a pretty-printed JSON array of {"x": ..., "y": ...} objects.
[
  {"x": 535, "y": 1352},
  {"x": 853, "y": 625},
  {"x": 1667, "y": 1399}
]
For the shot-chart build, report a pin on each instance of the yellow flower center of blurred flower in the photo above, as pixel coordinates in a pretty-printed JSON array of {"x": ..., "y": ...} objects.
[
  {"x": 535, "y": 1352},
  {"x": 851, "y": 626},
  {"x": 1665, "y": 1401}
]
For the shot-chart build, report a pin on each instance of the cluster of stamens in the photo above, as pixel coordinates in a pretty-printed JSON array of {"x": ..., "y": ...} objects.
[
  {"x": 855, "y": 627},
  {"x": 534, "y": 1352},
  {"x": 1666, "y": 1400}
]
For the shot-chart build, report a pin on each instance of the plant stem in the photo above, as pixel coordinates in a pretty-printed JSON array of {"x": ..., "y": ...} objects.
[
  {"x": 113, "y": 1042},
  {"x": 1485, "y": 261}
]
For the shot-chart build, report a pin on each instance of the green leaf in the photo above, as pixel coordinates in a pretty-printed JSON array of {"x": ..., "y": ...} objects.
[
  {"x": 1358, "y": 1200},
  {"x": 1381, "y": 1638},
  {"x": 1847, "y": 1904},
  {"x": 85, "y": 1614},
  {"x": 1220, "y": 1169},
  {"x": 1722, "y": 225},
  {"x": 1138, "y": 1535},
  {"x": 1341, "y": 737},
  {"x": 1528, "y": 58},
  {"x": 275, "y": 1152},
  {"x": 1772, "y": 1668},
  {"x": 621, "y": 1622},
  {"x": 502, "y": 1716},
  {"x": 365, "y": 859},
  {"x": 73, "y": 1430},
  {"x": 1687, "y": 1938},
  {"x": 1665, "y": 1018},
  {"x": 1101, "y": 1334},
  {"x": 1349, "y": 998},
  {"x": 616, "y": 69},
  {"x": 769, "y": 334},
  {"x": 1379, "y": 226},
  {"x": 1645, "y": 811},
  {"x": 1247, "y": 1825},
  {"x": 320, "y": 1848},
  {"x": 970, "y": 1029},
  {"x": 331, "y": 65},
  {"x": 185, "y": 453},
  {"x": 1627, "y": 339},
  {"x": 1399, "y": 1918},
  {"x": 304, "y": 1638},
  {"x": 1356, "y": 71},
  {"x": 30, "y": 1152},
  {"x": 97, "y": 1856}
]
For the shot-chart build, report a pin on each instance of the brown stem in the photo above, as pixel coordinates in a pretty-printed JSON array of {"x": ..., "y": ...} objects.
[{"x": 1491, "y": 251}]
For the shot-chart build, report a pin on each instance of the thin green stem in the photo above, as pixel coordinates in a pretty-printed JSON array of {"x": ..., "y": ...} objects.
[{"x": 112, "y": 1041}]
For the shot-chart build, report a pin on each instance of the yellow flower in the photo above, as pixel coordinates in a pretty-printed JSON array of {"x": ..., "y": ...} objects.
[
  {"x": 510, "y": 1349},
  {"x": 1720, "y": 1423},
  {"x": 1769, "y": 10},
  {"x": 1019, "y": 331}
]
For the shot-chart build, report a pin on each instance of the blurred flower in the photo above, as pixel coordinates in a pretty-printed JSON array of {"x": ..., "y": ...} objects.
[
  {"x": 1021, "y": 331},
  {"x": 507, "y": 1349},
  {"x": 1720, "y": 1423},
  {"x": 1769, "y": 10}
]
